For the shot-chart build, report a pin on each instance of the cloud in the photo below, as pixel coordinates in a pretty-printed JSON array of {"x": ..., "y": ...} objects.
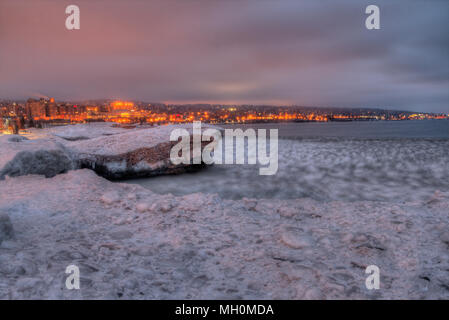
[{"x": 288, "y": 52}]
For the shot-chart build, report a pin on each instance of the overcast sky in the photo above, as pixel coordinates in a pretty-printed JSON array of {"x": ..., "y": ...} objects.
[{"x": 313, "y": 53}]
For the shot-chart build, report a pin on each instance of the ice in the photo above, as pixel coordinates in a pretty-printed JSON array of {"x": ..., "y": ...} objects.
[
  {"x": 138, "y": 153},
  {"x": 142, "y": 207},
  {"x": 20, "y": 156},
  {"x": 86, "y": 131},
  {"x": 113, "y": 152},
  {"x": 294, "y": 238},
  {"x": 328, "y": 169},
  {"x": 131, "y": 243},
  {"x": 110, "y": 197}
]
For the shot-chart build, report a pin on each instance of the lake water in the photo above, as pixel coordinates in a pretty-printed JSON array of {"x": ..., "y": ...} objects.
[{"x": 374, "y": 160}]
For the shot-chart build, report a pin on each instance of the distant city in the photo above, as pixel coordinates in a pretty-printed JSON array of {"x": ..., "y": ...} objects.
[{"x": 45, "y": 112}]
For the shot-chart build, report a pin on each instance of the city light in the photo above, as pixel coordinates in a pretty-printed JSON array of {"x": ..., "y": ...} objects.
[{"x": 16, "y": 115}]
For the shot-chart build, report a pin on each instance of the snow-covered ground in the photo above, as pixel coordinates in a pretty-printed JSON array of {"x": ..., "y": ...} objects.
[{"x": 131, "y": 243}]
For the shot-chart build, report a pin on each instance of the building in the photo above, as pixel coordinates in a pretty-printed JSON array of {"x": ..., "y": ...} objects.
[
  {"x": 122, "y": 105},
  {"x": 36, "y": 108},
  {"x": 52, "y": 108}
]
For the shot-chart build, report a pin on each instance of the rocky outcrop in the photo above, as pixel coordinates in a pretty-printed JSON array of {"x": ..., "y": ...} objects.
[
  {"x": 112, "y": 152},
  {"x": 139, "y": 153},
  {"x": 21, "y": 156}
]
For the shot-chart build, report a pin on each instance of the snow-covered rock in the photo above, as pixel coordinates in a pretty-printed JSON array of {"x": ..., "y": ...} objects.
[
  {"x": 139, "y": 153},
  {"x": 21, "y": 156},
  {"x": 85, "y": 131},
  {"x": 112, "y": 152}
]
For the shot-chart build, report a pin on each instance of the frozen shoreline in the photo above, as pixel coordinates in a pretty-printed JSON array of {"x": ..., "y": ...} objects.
[{"x": 133, "y": 244}]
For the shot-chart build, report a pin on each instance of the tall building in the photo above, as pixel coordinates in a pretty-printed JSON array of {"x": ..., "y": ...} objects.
[
  {"x": 52, "y": 109},
  {"x": 36, "y": 108},
  {"x": 41, "y": 108}
]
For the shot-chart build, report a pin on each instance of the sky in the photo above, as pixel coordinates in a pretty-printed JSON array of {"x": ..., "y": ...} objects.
[{"x": 285, "y": 52}]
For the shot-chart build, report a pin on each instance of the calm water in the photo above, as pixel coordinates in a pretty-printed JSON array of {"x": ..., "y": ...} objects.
[{"x": 385, "y": 160}]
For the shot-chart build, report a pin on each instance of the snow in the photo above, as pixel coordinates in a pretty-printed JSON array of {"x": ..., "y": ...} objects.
[
  {"x": 6, "y": 230},
  {"x": 111, "y": 151},
  {"x": 143, "y": 152},
  {"x": 130, "y": 243},
  {"x": 328, "y": 169},
  {"x": 110, "y": 197},
  {"x": 129, "y": 141},
  {"x": 295, "y": 238},
  {"x": 142, "y": 207},
  {"x": 20, "y": 156},
  {"x": 86, "y": 131}
]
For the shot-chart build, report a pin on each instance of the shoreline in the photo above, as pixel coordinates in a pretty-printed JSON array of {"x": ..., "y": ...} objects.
[{"x": 131, "y": 243}]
